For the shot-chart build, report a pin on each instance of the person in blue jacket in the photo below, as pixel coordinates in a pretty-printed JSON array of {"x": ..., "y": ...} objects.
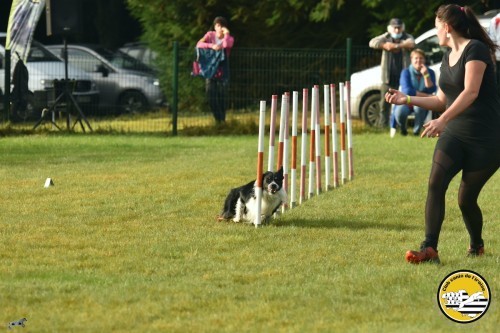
[{"x": 416, "y": 80}]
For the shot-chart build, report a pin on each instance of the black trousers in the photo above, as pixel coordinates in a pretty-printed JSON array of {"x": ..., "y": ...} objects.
[
  {"x": 385, "y": 108},
  {"x": 216, "y": 91}
]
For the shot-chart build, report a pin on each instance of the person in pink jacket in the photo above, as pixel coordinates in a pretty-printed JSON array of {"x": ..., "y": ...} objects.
[{"x": 220, "y": 41}]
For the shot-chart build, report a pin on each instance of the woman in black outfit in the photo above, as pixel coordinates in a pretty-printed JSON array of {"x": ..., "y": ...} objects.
[{"x": 468, "y": 127}]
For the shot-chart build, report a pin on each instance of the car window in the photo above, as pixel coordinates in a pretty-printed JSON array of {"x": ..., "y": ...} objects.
[
  {"x": 433, "y": 51},
  {"x": 83, "y": 60},
  {"x": 38, "y": 53},
  {"x": 136, "y": 53},
  {"x": 122, "y": 60}
]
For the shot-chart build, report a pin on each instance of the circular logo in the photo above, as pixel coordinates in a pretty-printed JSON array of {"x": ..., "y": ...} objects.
[{"x": 464, "y": 296}]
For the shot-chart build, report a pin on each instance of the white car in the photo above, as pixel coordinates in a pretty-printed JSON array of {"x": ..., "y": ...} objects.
[
  {"x": 43, "y": 69},
  {"x": 365, "y": 85}
]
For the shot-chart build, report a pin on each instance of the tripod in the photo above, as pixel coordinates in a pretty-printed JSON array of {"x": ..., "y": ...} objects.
[{"x": 67, "y": 97}]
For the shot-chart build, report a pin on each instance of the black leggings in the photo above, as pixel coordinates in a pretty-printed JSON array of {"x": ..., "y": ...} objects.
[{"x": 478, "y": 163}]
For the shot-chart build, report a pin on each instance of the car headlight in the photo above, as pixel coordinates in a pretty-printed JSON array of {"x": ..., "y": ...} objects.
[{"x": 152, "y": 80}]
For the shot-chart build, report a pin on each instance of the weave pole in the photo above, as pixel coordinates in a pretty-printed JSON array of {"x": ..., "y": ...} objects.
[
  {"x": 286, "y": 146},
  {"x": 342, "y": 133},
  {"x": 349, "y": 131},
  {"x": 317, "y": 141},
  {"x": 281, "y": 138},
  {"x": 303, "y": 148},
  {"x": 326, "y": 106},
  {"x": 334, "y": 135},
  {"x": 312, "y": 144},
  {"x": 293, "y": 171},
  {"x": 272, "y": 132},
  {"x": 260, "y": 162}
]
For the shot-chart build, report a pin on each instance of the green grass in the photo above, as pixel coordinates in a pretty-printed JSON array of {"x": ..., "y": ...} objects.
[{"x": 126, "y": 240}]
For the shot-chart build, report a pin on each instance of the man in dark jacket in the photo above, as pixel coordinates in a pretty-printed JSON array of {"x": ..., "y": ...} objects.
[{"x": 396, "y": 45}]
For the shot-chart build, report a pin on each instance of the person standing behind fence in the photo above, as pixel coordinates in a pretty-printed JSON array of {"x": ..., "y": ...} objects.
[
  {"x": 416, "y": 80},
  {"x": 396, "y": 45},
  {"x": 216, "y": 86},
  {"x": 467, "y": 130}
]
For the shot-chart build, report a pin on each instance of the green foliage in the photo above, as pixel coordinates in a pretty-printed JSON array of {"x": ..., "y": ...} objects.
[{"x": 126, "y": 240}]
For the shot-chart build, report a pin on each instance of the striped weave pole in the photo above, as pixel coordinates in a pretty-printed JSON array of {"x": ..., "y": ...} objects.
[
  {"x": 349, "y": 131},
  {"x": 317, "y": 143},
  {"x": 312, "y": 144},
  {"x": 334, "y": 135},
  {"x": 260, "y": 162},
  {"x": 326, "y": 106},
  {"x": 286, "y": 146},
  {"x": 303, "y": 148},
  {"x": 272, "y": 132},
  {"x": 281, "y": 138},
  {"x": 342, "y": 134},
  {"x": 293, "y": 172}
]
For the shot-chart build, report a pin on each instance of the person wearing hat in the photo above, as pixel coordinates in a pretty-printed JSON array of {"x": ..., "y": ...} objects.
[{"x": 396, "y": 45}]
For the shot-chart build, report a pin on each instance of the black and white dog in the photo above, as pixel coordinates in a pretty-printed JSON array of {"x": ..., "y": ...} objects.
[{"x": 241, "y": 202}]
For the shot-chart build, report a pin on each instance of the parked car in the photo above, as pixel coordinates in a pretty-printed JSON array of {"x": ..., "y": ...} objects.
[
  {"x": 122, "y": 80},
  {"x": 141, "y": 52},
  {"x": 44, "y": 69},
  {"x": 365, "y": 85}
]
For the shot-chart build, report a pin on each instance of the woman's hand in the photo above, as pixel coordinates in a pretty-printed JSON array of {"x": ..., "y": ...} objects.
[
  {"x": 423, "y": 70},
  {"x": 394, "y": 96},
  {"x": 433, "y": 128}
]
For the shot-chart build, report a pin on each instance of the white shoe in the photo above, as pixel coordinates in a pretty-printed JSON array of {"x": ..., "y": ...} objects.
[{"x": 393, "y": 132}]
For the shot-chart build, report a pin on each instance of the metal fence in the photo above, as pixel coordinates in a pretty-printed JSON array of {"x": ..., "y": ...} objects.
[{"x": 255, "y": 74}]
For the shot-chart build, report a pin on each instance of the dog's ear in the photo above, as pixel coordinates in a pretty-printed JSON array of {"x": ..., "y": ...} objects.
[{"x": 279, "y": 173}]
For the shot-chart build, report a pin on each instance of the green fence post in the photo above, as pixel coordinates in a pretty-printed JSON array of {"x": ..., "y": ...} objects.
[
  {"x": 348, "y": 60},
  {"x": 6, "y": 93},
  {"x": 175, "y": 88}
]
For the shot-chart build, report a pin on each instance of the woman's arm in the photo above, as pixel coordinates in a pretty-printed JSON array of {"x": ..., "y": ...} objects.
[
  {"x": 205, "y": 42},
  {"x": 435, "y": 103},
  {"x": 474, "y": 72}
]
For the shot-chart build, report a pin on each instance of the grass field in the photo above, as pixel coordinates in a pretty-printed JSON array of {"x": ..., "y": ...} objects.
[{"x": 126, "y": 240}]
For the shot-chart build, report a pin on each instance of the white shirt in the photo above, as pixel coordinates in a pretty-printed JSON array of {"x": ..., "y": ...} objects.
[{"x": 494, "y": 32}]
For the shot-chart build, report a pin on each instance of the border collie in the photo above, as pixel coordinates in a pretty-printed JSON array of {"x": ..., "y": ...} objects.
[{"x": 241, "y": 203}]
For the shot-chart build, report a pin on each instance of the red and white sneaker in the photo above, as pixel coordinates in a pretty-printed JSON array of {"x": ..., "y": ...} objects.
[{"x": 426, "y": 254}]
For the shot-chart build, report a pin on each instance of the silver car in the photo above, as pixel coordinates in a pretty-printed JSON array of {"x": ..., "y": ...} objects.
[
  {"x": 123, "y": 81},
  {"x": 44, "y": 70}
]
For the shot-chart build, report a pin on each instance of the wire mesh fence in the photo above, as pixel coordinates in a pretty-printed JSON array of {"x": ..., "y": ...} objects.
[{"x": 255, "y": 74}]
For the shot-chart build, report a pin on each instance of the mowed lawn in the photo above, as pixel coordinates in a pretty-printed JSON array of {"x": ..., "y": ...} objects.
[{"x": 127, "y": 240}]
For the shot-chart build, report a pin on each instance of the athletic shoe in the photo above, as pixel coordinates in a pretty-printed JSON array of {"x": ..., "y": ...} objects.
[
  {"x": 392, "y": 132},
  {"x": 475, "y": 251},
  {"x": 426, "y": 254}
]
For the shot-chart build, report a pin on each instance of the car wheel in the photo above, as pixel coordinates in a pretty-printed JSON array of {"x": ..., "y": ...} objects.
[
  {"x": 132, "y": 102},
  {"x": 26, "y": 112},
  {"x": 370, "y": 110}
]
